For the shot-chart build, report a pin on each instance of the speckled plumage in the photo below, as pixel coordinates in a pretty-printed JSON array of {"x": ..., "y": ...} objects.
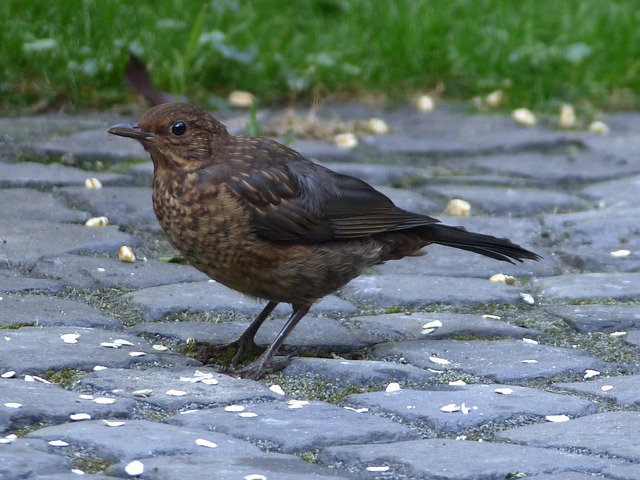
[{"x": 260, "y": 218}]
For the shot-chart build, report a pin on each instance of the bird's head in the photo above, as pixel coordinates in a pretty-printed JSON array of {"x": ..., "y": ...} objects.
[{"x": 177, "y": 135}]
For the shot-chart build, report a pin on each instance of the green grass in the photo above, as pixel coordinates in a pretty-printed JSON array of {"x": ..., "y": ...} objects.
[{"x": 72, "y": 53}]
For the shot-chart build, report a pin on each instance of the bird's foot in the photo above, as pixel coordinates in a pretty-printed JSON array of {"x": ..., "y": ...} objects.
[
  {"x": 229, "y": 354},
  {"x": 257, "y": 369}
]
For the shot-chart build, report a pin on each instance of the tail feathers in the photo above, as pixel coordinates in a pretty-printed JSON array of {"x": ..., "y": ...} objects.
[{"x": 499, "y": 248}]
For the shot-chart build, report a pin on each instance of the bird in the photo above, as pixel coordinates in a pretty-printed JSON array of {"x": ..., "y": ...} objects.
[{"x": 260, "y": 218}]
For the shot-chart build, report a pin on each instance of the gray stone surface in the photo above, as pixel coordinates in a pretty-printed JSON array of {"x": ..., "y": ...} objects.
[
  {"x": 297, "y": 428},
  {"x": 610, "y": 433},
  {"x": 50, "y": 238},
  {"x": 566, "y": 476},
  {"x": 623, "y": 472},
  {"x": 617, "y": 286},
  {"x": 27, "y": 458},
  {"x": 633, "y": 338},
  {"x": 27, "y": 203},
  {"x": 572, "y": 166},
  {"x": 225, "y": 467},
  {"x": 12, "y": 281},
  {"x": 570, "y": 196},
  {"x": 361, "y": 373},
  {"x": 624, "y": 390},
  {"x": 486, "y": 406},
  {"x": 598, "y": 318},
  {"x": 139, "y": 439},
  {"x": 49, "y": 404},
  {"x": 41, "y": 310},
  {"x": 393, "y": 289},
  {"x": 458, "y": 459},
  {"x": 586, "y": 239},
  {"x": 500, "y": 360},
  {"x": 121, "y": 205},
  {"x": 619, "y": 193},
  {"x": 34, "y": 350},
  {"x": 104, "y": 272},
  {"x": 511, "y": 201},
  {"x": 397, "y": 326},
  {"x": 155, "y": 383},
  {"x": 32, "y": 174}
]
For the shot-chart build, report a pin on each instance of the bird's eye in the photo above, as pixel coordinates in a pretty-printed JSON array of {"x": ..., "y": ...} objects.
[{"x": 179, "y": 128}]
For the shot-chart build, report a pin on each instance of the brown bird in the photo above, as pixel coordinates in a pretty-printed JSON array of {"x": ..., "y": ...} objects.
[{"x": 261, "y": 219}]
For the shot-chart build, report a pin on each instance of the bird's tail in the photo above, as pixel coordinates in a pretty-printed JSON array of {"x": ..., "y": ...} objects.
[{"x": 487, "y": 245}]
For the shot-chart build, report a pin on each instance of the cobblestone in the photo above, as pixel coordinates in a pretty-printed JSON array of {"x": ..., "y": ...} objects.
[{"x": 376, "y": 359}]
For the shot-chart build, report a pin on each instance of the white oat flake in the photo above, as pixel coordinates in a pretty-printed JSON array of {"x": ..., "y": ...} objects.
[
  {"x": 504, "y": 391},
  {"x": 8, "y": 439},
  {"x": 80, "y": 416},
  {"x": 277, "y": 389},
  {"x": 134, "y": 468},
  {"x": 58, "y": 443},
  {"x": 113, "y": 423},
  {"x": 247, "y": 414},
  {"x": 234, "y": 408},
  {"x": 176, "y": 393},
  {"x": 357, "y": 410},
  {"x": 206, "y": 443},
  {"x": 144, "y": 392},
  {"x": 439, "y": 361},
  {"x": 70, "y": 337},
  {"x": 617, "y": 334},
  {"x": 381, "y": 468},
  {"x": 450, "y": 408},
  {"x": 457, "y": 383},
  {"x": 527, "y": 298},
  {"x": 557, "y": 418},
  {"x": 620, "y": 253},
  {"x": 393, "y": 387}
]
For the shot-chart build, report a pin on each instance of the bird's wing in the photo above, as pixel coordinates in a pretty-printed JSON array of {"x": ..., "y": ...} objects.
[{"x": 298, "y": 201}]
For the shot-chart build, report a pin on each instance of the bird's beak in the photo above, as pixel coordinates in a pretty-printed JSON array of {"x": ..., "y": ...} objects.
[{"x": 130, "y": 130}]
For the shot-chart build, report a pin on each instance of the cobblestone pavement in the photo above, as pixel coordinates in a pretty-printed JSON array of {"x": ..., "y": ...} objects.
[{"x": 93, "y": 378}]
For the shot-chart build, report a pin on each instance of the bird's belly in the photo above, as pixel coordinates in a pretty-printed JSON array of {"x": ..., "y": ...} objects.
[
  {"x": 215, "y": 236},
  {"x": 275, "y": 271}
]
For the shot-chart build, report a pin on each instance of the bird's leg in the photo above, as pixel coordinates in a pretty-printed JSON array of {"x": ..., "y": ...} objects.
[
  {"x": 206, "y": 352},
  {"x": 246, "y": 341},
  {"x": 257, "y": 368}
]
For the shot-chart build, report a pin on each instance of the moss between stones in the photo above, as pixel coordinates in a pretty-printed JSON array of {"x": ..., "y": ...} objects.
[{"x": 66, "y": 378}]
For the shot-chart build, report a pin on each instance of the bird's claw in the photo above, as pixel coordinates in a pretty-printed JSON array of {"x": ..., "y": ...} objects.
[
  {"x": 257, "y": 369},
  {"x": 231, "y": 353}
]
